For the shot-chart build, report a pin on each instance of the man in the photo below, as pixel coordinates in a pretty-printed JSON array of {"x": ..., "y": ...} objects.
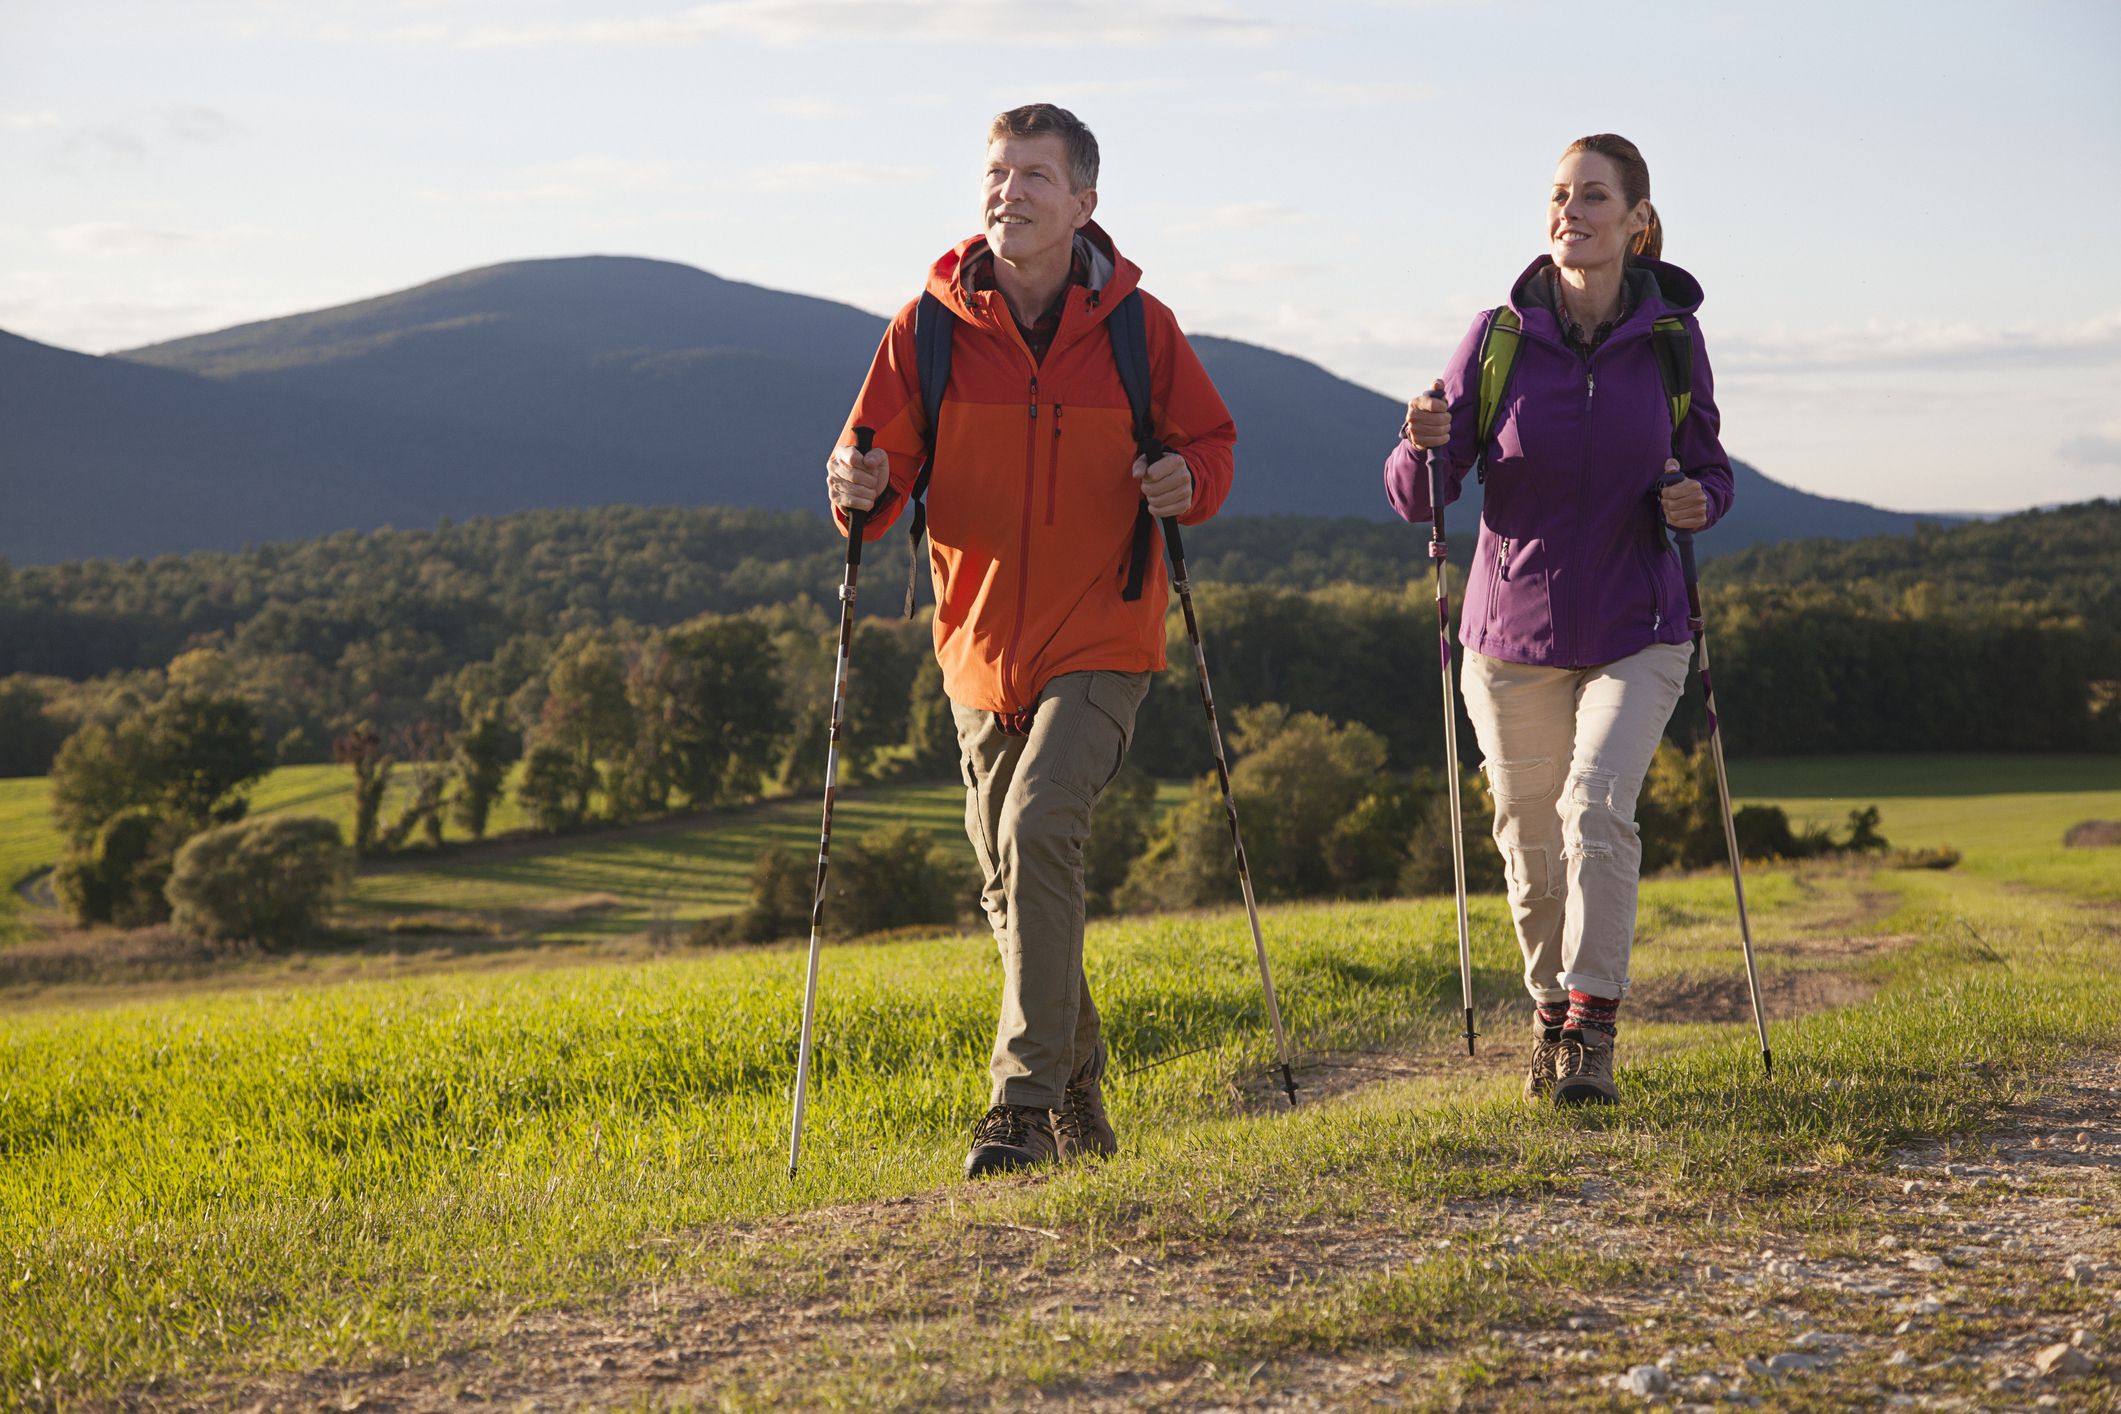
[{"x": 1046, "y": 649}]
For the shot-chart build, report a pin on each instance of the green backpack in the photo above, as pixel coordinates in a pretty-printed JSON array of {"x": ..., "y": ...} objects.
[{"x": 1504, "y": 338}]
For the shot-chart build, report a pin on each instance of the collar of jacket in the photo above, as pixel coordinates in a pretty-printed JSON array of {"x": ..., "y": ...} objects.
[
  {"x": 1657, "y": 288},
  {"x": 1112, "y": 278}
]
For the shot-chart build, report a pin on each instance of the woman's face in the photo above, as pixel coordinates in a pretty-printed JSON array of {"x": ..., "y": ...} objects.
[{"x": 1589, "y": 223}]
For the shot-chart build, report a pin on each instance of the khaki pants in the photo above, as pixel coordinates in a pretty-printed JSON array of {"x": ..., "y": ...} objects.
[
  {"x": 1567, "y": 750},
  {"x": 1027, "y": 810}
]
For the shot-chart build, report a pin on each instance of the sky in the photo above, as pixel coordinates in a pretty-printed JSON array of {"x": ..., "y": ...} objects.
[{"x": 1901, "y": 212}]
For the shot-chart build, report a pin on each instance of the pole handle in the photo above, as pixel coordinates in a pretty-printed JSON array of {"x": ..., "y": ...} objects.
[
  {"x": 1684, "y": 539},
  {"x": 1152, "y": 450},
  {"x": 1436, "y": 535},
  {"x": 858, "y": 521}
]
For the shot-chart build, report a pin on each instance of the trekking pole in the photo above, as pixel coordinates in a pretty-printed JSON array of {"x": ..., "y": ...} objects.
[
  {"x": 857, "y": 521},
  {"x": 1153, "y": 452},
  {"x": 1450, "y": 736},
  {"x": 1684, "y": 539}
]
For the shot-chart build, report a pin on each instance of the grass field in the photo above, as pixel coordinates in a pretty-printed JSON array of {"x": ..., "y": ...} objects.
[{"x": 219, "y": 1186}]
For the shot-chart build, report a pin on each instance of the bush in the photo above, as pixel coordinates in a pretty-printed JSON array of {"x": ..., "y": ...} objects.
[
  {"x": 1428, "y": 861},
  {"x": 267, "y": 881},
  {"x": 118, "y": 877},
  {"x": 896, "y": 877},
  {"x": 1119, "y": 831}
]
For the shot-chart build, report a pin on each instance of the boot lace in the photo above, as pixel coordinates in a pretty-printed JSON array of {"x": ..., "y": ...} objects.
[
  {"x": 1074, "y": 1120},
  {"x": 1004, "y": 1124}
]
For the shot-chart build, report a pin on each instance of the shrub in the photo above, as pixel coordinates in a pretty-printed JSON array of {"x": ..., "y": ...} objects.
[
  {"x": 267, "y": 881},
  {"x": 118, "y": 877},
  {"x": 1119, "y": 831},
  {"x": 896, "y": 877},
  {"x": 1428, "y": 861}
]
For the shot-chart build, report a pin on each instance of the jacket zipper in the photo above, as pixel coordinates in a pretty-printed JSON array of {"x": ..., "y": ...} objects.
[
  {"x": 1023, "y": 539},
  {"x": 1053, "y": 475},
  {"x": 1502, "y": 559}
]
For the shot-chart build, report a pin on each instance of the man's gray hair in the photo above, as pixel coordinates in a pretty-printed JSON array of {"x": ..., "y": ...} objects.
[{"x": 1041, "y": 119}]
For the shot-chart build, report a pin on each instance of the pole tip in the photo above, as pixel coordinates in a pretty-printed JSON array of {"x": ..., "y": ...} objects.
[
  {"x": 1288, "y": 1083},
  {"x": 1767, "y": 1060},
  {"x": 1470, "y": 1032}
]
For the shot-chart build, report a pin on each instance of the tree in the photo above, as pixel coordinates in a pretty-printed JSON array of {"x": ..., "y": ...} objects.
[
  {"x": 586, "y": 712},
  {"x": 119, "y": 876},
  {"x": 362, "y": 750},
  {"x": 268, "y": 881},
  {"x": 931, "y": 728},
  {"x": 724, "y": 717},
  {"x": 420, "y": 745},
  {"x": 484, "y": 752},
  {"x": 205, "y": 753},
  {"x": 553, "y": 789},
  {"x": 1119, "y": 831}
]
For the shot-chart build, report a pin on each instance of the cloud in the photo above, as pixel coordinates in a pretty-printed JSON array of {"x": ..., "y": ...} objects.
[
  {"x": 1104, "y": 23},
  {"x": 812, "y": 109},
  {"x": 199, "y": 124},
  {"x": 826, "y": 176},
  {"x": 1242, "y": 215},
  {"x": 130, "y": 238},
  {"x": 108, "y": 144},
  {"x": 575, "y": 179},
  {"x": 11, "y": 122},
  {"x": 1316, "y": 90},
  {"x": 2098, "y": 448},
  {"x": 1884, "y": 344}
]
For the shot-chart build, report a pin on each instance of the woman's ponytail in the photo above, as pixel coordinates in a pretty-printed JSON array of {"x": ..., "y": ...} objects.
[{"x": 1649, "y": 242}]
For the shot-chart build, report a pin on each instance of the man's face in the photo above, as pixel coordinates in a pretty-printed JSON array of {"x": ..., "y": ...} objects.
[{"x": 1027, "y": 204}]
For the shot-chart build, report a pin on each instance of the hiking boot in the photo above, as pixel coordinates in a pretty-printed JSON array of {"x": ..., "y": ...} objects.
[
  {"x": 1079, "y": 1126},
  {"x": 1583, "y": 1069},
  {"x": 1539, "y": 1076},
  {"x": 1010, "y": 1137}
]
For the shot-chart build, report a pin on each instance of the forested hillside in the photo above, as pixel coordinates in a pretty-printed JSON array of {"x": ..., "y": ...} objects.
[
  {"x": 2061, "y": 562},
  {"x": 1997, "y": 636}
]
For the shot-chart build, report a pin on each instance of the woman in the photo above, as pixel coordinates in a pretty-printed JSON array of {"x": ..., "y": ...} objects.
[{"x": 1575, "y": 622}]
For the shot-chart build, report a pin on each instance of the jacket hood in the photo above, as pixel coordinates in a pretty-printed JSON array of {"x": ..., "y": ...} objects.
[
  {"x": 1655, "y": 289},
  {"x": 1112, "y": 276}
]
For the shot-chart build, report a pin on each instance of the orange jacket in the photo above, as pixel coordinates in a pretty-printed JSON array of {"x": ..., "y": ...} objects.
[{"x": 1032, "y": 502}]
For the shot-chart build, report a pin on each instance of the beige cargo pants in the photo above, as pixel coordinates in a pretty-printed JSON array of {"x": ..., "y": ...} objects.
[
  {"x": 1027, "y": 810},
  {"x": 1567, "y": 750}
]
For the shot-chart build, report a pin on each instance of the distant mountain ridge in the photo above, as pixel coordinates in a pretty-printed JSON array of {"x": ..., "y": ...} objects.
[{"x": 581, "y": 381}]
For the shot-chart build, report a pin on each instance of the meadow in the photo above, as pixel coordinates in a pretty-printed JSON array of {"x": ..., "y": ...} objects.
[{"x": 228, "y": 1190}]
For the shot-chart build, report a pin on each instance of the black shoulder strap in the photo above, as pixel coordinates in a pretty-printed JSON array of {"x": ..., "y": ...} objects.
[
  {"x": 934, "y": 329},
  {"x": 1128, "y": 327},
  {"x": 1674, "y": 348},
  {"x": 1675, "y": 362}
]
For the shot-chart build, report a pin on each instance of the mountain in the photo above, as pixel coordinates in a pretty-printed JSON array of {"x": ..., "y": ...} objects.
[{"x": 587, "y": 381}]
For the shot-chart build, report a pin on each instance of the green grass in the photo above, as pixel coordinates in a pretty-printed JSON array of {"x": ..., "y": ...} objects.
[
  {"x": 2006, "y": 814},
  {"x": 219, "y": 1180}
]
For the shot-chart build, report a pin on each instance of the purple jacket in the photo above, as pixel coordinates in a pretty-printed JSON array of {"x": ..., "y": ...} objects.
[{"x": 1569, "y": 571}]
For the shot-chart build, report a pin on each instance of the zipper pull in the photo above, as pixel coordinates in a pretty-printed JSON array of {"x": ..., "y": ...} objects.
[
  {"x": 1502, "y": 558},
  {"x": 1590, "y": 387},
  {"x": 1034, "y": 397}
]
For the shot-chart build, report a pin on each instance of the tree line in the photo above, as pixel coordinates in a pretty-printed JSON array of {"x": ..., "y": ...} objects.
[{"x": 418, "y": 638}]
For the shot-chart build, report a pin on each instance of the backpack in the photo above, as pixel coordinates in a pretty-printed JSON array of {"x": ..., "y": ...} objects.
[
  {"x": 934, "y": 328},
  {"x": 1501, "y": 343}
]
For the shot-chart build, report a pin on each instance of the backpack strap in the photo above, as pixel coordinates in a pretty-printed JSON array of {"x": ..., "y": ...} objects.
[
  {"x": 934, "y": 329},
  {"x": 1674, "y": 348},
  {"x": 1675, "y": 362},
  {"x": 1499, "y": 347},
  {"x": 1128, "y": 327}
]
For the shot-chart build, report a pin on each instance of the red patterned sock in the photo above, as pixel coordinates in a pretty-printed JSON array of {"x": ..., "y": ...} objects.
[
  {"x": 1589, "y": 1013},
  {"x": 1552, "y": 1015}
]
